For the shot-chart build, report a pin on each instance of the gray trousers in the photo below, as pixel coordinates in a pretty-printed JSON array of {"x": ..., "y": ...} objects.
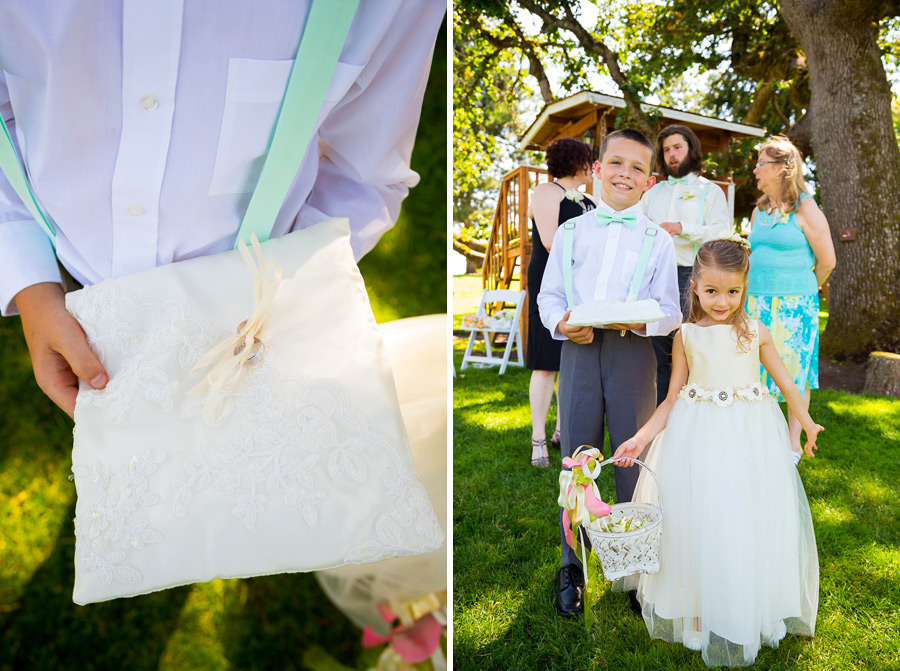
[{"x": 611, "y": 381}]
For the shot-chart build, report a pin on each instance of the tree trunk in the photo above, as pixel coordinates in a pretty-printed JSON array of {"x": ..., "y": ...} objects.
[
  {"x": 858, "y": 163},
  {"x": 883, "y": 374}
]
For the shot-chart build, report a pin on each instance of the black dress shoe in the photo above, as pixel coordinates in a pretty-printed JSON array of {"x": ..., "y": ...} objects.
[{"x": 569, "y": 591}]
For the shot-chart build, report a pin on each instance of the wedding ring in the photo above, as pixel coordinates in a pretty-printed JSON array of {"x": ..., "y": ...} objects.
[
  {"x": 255, "y": 347},
  {"x": 622, "y": 333}
]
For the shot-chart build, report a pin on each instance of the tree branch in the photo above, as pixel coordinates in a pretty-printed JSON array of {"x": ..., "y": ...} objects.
[
  {"x": 535, "y": 67},
  {"x": 592, "y": 45},
  {"x": 781, "y": 114},
  {"x": 761, "y": 98}
]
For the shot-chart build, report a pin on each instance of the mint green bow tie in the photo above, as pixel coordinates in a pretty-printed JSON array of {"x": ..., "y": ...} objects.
[
  {"x": 678, "y": 180},
  {"x": 627, "y": 219}
]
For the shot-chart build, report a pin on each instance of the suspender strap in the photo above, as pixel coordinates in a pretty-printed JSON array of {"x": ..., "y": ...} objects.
[
  {"x": 323, "y": 38},
  {"x": 639, "y": 271},
  {"x": 701, "y": 206},
  {"x": 568, "y": 244},
  {"x": 644, "y": 258},
  {"x": 15, "y": 173}
]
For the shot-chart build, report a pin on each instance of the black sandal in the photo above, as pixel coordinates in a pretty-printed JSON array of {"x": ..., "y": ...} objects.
[
  {"x": 543, "y": 460},
  {"x": 555, "y": 440}
]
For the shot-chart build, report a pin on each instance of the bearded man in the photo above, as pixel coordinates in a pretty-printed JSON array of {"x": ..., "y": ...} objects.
[{"x": 692, "y": 210}]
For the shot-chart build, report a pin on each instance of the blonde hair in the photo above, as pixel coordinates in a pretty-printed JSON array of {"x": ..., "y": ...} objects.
[
  {"x": 779, "y": 148},
  {"x": 731, "y": 257}
]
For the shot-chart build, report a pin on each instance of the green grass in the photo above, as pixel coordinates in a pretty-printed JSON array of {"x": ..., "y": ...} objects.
[
  {"x": 506, "y": 542},
  {"x": 263, "y": 623}
]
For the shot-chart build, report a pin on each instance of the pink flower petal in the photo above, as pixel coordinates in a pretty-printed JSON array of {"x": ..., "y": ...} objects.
[
  {"x": 420, "y": 641},
  {"x": 567, "y": 528},
  {"x": 386, "y": 613},
  {"x": 594, "y": 505},
  {"x": 370, "y": 639}
]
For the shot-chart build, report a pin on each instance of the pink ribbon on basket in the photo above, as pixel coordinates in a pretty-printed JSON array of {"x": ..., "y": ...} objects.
[
  {"x": 419, "y": 633},
  {"x": 226, "y": 360},
  {"x": 578, "y": 493}
]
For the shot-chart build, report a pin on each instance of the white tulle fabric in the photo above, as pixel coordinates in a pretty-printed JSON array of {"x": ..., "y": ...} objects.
[
  {"x": 306, "y": 465},
  {"x": 417, "y": 349},
  {"x": 738, "y": 563}
]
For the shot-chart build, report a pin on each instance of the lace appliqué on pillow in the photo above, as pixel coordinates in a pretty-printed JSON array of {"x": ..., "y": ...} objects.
[
  {"x": 144, "y": 332},
  {"x": 110, "y": 527},
  {"x": 294, "y": 439}
]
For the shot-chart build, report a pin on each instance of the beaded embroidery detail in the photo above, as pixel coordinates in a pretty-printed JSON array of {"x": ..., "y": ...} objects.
[{"x": 724, "y": 396}]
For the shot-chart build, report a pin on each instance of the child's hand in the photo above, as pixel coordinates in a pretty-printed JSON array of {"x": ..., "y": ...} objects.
[
  {"x": 629, "y": 451},
  {"x": 59, "y": 350},
  {"x": 811, "y": 433},
  {"x": 583, "y": 335}
]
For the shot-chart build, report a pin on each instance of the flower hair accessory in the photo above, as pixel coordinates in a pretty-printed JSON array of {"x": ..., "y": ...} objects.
[
  {"x": 734, "y": 237},
  {"x": 574, "y": 195}
]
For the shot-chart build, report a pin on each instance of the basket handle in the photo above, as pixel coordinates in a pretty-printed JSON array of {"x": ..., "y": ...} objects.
[{"x": 612, "y": 460}]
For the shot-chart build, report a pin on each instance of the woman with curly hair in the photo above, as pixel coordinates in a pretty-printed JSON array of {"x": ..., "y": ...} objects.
[
  {"x": 793, "y": 255},
  {"x": 552, "y": 204}
]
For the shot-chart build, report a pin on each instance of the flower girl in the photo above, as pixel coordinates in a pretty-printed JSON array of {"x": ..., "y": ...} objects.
[{"x": 738, "y": 565}]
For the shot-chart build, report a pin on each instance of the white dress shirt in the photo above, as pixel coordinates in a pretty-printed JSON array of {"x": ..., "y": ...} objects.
[
  {"x": 145, "y": 125},
  {"x": 668, "y": 201},
  {"x": 603, "y": 264}
]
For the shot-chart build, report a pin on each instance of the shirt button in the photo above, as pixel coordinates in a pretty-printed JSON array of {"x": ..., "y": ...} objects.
[
  {"x": 149, "y": 102},
  {"x": 135, "y": 209}
]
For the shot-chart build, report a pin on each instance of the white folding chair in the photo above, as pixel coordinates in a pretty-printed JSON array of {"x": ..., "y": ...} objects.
[{"x": 513, "y": 299}]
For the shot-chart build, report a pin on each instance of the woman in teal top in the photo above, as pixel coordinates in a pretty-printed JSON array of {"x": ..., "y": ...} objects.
[{"x": 792, "y": 256}]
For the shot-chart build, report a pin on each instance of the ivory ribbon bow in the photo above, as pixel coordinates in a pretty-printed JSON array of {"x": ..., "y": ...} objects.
[
  {"x": 418, "y": 636},
  {"x": 226, "y": 359},
  {"x": 578, "y": 493}
]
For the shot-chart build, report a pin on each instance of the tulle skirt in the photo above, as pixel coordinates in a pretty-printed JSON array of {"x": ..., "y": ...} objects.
[{"x": 738, "y": 564}]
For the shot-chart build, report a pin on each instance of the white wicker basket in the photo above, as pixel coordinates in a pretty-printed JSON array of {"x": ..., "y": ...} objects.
[{"x": 625, "y": 553}]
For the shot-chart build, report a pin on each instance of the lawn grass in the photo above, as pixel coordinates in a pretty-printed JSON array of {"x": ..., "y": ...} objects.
[
  {"x": 506, "y": 542},
  {"x": 259, "y": 624}
]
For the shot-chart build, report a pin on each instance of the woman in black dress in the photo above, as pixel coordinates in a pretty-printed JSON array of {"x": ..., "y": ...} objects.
[{"x": 552, "y": 204}]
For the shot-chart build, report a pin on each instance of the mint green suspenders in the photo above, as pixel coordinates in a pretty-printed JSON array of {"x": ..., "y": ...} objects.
[
  {"x": 10, "y": 166},
  {"x": 639, "y": 271},
  {"x": 323, "y": 38}
]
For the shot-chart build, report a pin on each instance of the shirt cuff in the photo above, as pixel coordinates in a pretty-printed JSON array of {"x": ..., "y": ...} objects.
[
  {"x": 26, "y": 258},
  {"x": 555, "y": 319}
]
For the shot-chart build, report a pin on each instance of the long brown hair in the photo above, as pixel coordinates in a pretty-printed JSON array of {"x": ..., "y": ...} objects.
[
  {"x": 731, "y": 257},
  {"x": 779, "y": 148},
  {"x": 694, "y": 158}
]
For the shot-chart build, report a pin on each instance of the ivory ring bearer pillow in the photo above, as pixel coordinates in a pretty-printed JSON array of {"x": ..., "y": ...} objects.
[
  {"x": 600, "y": 313},
  {"x": 298, "y": 462}
]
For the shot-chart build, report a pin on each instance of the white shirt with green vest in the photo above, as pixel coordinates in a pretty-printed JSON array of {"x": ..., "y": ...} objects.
[{"x": 697, "y": 204}]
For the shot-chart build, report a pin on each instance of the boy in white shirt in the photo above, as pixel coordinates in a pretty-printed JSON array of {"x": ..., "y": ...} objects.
[
  {"x": 608, "y": 374},
  {"x": 689, "y": 208}
]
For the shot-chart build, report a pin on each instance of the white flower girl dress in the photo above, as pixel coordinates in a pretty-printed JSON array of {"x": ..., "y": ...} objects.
[{"x": 738, "y": 564}]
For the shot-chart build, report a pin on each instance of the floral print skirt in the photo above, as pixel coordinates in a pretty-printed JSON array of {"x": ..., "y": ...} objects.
[{"x": 793, "y": 322}]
